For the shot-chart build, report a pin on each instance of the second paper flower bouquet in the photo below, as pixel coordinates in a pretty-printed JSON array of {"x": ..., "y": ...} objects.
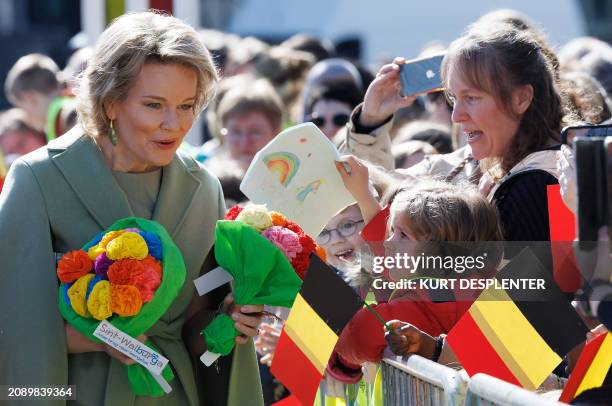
[{"x": 267, "y": 256}]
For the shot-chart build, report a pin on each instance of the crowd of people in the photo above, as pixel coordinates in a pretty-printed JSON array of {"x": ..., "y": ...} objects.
[{"x": 105, "y": 138}]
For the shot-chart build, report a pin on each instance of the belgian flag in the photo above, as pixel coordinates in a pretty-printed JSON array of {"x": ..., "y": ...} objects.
[
  {"x": 517, "y": 335},
  {"x": 592, "y": 369},
  {"x": 323, "y": 307}
]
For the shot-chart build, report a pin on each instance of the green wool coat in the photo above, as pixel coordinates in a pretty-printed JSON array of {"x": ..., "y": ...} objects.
[{"x": 55, "y": 200}]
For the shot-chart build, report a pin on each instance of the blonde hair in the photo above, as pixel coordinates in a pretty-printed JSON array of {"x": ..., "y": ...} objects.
[
  {"x": 440, "y": 211},
  {"x": 130, "y": 42}
]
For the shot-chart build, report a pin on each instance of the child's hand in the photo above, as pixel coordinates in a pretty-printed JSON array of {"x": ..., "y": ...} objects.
[
  {"x": 266, "y": 342},
  {"x": 356, "y": 182},
  {"x": 356, "y": 179},
  {"x": 406, "y": 339}
]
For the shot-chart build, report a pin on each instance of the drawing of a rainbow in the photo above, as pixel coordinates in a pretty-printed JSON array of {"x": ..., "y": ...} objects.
[
  {"x": 312, "y": 187},
  {"x": 284, "y": 164}
]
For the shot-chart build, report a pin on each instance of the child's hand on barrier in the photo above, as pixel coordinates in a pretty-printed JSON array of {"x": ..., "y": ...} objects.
[{"x": 405, "y": 339}]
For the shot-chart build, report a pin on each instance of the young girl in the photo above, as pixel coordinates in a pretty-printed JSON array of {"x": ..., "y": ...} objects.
[{"x": 427, "y": 212}]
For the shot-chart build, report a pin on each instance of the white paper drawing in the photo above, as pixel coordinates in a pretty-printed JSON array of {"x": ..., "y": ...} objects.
[{"x": 295, "y": 175}]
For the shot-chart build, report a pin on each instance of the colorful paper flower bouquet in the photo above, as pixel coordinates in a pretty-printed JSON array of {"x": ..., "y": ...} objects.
[
  {"x": 266, "y": 255},
  {"x": 129, "y": 276}
]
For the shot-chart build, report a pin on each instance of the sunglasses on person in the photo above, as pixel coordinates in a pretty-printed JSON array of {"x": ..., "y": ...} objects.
[
  {"x": 339, "y": 120},
  {"x": 345, "y": 229}
]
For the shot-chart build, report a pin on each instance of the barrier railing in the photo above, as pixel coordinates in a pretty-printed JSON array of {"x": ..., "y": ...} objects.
[
  {"x": 485, "y": 390},
  {"x": 419, "y": 381}
]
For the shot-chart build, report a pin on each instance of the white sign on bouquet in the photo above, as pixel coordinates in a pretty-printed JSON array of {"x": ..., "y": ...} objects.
[
  {"x": 139, "y": 352},
  {"x": 295, "y": 175}
]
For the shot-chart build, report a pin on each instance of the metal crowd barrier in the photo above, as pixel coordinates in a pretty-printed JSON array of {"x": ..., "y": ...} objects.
[
  {"x": 422, "y": 382},
  {"x": 485, "y": 390},
  {"x": 418, "y": 381}
]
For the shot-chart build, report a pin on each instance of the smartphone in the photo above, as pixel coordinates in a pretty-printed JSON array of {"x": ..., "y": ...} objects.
[
  {"x": 594, "y": 184},
  {"x": 421, "y": 75},
  {"x": 568, "y": 134}
]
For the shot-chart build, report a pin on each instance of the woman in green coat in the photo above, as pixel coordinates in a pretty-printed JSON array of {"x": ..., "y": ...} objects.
[{"x": 149, "y": 77}]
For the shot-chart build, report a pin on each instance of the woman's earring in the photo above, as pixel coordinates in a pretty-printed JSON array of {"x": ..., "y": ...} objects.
[{"x": 112, "y": 135}]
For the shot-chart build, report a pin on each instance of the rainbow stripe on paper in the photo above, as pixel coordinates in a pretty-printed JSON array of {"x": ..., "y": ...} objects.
[
  {"x": 312, "y": 187},
  {"x": 284, "y": 164}
]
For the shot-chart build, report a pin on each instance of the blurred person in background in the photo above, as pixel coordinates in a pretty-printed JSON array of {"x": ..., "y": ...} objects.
[
  {"x": 31, "y": 85},
  {"x": 219, "y": 44},
  {"x": 586, "y": 97},
  {"x": 17, "y": 138},
  {"x": 437, "y": 135},
  {"x": 574, "y": 50},
  {"x": 331, "y": 104},
  {"x": 62, "y": 114},
  {"x": 328, "y": 71},
  {"x": 589, "y": 55},
  {"x": 286, "y": 69},
  {"x": 409, "y": 153},
  {"x": 216, "y": 144},
  {"x": 318, "y": 48},
  {"x": 251, "y": 115},
  {"x": 77, "y": 62},
  {"x": 243, "y": 55}
]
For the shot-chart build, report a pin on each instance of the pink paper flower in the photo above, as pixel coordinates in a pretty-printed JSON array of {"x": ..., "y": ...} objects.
[{"x": 286, "y": 240}]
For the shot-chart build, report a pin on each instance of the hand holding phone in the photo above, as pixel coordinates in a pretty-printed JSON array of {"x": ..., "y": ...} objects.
[
  {"x": 421, "y": 76},
  {"x": 383, "y": 98}
]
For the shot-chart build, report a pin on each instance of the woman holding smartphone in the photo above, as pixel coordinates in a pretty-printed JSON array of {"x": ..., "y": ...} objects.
[{"x": 505, "y": 99}]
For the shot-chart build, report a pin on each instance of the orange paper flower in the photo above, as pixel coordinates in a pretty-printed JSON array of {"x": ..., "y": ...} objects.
[
  {"x": 144, "y": 275},
  {"x": 321, "y": 253},
  {"x": 278, "y": 219},
  {"x": 125, "y": 300},
  {"x": 122, "y": 272},
  {"x": 73, "y": 265}
]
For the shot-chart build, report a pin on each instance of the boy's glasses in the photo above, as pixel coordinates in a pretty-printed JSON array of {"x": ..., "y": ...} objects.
[
  {"x": 344, "y": 229},
  {"x": 339, "y": 120}
]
